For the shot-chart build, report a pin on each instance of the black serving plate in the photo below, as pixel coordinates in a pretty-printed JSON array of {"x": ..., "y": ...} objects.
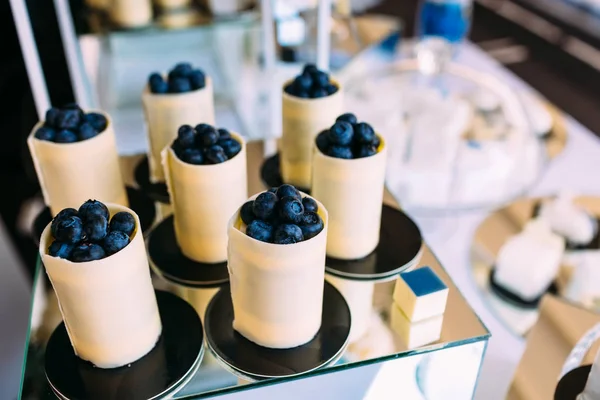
[
  {"x": 256, "y": 362},
  {"x": 572, "y": 383},
  {"x": 271, "y": 174},
  {"x": 156, "y": 191},
  {"x": 159, "y": 374},
  {"x": 515, "y": 299}
]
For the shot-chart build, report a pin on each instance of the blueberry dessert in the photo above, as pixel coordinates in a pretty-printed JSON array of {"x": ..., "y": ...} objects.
[
  {"x": 89, "y": 233},
  {"x": 347, "y": 138},
  {"x": 281, "y": 216},
  {"x": 311, "y": 84},
  {"x": 205, "y": 144},
  {"x": 181, "y": 79},
  {"x": 70, "y": 124}
]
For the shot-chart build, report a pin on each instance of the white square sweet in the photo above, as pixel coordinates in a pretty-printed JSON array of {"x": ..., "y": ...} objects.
[
  {"x": 420, "y": 294},
  {"x": 415, "y": 334}
]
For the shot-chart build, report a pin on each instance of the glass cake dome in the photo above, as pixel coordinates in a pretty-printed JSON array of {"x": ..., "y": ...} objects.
[{"x": 458, "y": 139}]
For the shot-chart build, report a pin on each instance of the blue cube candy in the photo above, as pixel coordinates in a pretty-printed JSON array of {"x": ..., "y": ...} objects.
[{"x": 420, "y": 294}]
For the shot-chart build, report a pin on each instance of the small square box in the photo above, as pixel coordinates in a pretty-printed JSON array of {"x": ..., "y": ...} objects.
[
  {"x": 415, "y": 334},
  {"x": 420, "y": 294}
]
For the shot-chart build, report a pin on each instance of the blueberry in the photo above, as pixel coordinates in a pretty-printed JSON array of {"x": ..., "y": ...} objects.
[
  {"x": 230, "y": 146},
  {"x": 310, "y": 69},
  {"x": 65, "y": 213},
  {"x": 186, "y": 136},
  {"x": 363, "y": 133},
  {"x": 95, "y": 228},
  {"x": 155, "y": 78},
  {"x": 87, "y": 252},
  {"x": 288, "y": 234},
  {"x": 74, "y": 106},
  {"x": 317, "y": 93},
  {"x": 311, "y": 224},
  {"x": 366, "y": 150},
  {"x": 181, "y": 70},
  {"x": 348, "y": 117},
  {"x": 290, "y": 209},
  {"x": 192, "y": 156},
  {"x": 115, "y": 241},
  {"x": 93, "y": 207},
  {"x": 331, "y": 89},
  {"x": 65, "y": 136},
  {"x": 215, "y": 155},
  {"x": 322, "y": 141},
  {"x": 157, "y": 84},
  {"x": 273, "y": 190},
  {"x": 122, "y": 222},
  {"x": 303, "y": 82},
  {"x": 224, "y": 134},
  {"x": 376, "y": 142},
  {"x": 86, "y": 131},
  {"x": 97, "y": 120},
  {"x": 197, "y": 79},
  {"x": 264, "y": 205},
  {"x": 202, "y": 127},
  {"x": 286, "y": 190},
  {"x": 179, "y": 85},
  {"x": 302, "y": 94},
  {"x": 289, "y": 89},
  {"x": 310, "y": 204},
  {"x": 320, "y": 79},
  {"x": 177, "y": 147},
  {"x": 260, "y": 230},
  {"x": 68, "y": 119},
  {"x": 69, "y": 230},
  {"x": 246, "y": 212},
  {"x": 60, "y": 249},
  {"x": 52, "y": 117},
  {"x": 340, "y": 152},
  {"x": 45, "y": 133},
  {"x": 207, "y": 136},
  {"x": 341, "y": 133}
]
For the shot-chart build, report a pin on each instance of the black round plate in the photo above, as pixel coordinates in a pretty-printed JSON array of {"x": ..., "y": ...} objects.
[
  {"x": 515, "y": 299},
  {"x": 271, "y": 174},
  {"x": 138, "y": 202},
  {"x": 399, "y": 247},
  {"x": 168, "y": 261},
  {"x": 257, "y": 362},
  {"x": 572, "y": 383},
  {"x": 156, "y": 191},
  {"x": 162, "y": 372}
]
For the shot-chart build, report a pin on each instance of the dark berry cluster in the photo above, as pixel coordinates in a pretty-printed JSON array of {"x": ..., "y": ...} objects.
[
  {"x": 70, "y": 124},
  {"x": 348, "y": 138},
  {"x": 281, "y": 216},
  {"x": 89, "y": 233},
  {"x": 205, "y": 144},
  {"x": 181, "y": 79},
  {"x": 311, "y": 84}
]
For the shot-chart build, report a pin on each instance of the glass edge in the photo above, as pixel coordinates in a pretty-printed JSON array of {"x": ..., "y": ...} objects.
[{"x": 485, "y": 346}]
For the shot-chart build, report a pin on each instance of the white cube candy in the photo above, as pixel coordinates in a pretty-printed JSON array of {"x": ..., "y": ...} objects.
[
  {"x": 415, "y": 334},
  {"x": 420, "y": 294}
]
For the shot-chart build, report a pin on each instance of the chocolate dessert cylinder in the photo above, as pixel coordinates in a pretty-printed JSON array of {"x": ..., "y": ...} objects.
[
  {"x": 71, "y": 173},
  {"x": 302, "y": 120},
  {"x": 204, "y": 197},
  {"x": 165, "y": 113},
  {"x": 108, "y": 305},
  {"x": 130, "y": 13},
  {"x": 352, "y": 191},
  {"x": 276, "y": 290}
]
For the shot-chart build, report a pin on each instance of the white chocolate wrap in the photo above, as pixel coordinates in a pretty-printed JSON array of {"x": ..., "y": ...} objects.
[
  {"x": 302, "y": 120},
  {"x": 352, "y": 192},
  {"x": 173, "y": 3},
  {"x": 277, "y": 290},
  {"x": 165, "y": 113},
  {"x": 108, "y": 305},
  {"x": 204, "y": 197},
  {"x": 130, "y": 13},
  {"x": 72, "y": 173}
]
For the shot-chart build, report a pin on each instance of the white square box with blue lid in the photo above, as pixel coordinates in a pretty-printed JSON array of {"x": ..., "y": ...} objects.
[{"x": 420, "y": 294}]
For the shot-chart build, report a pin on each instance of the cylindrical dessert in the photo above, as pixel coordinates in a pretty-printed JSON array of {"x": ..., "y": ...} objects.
[
  {"x": 276, "y": 289},
  {"x": 166, "y": 112},
  {"x": 71, "y": 173},
  {"x": 108, "y": 305},
  {"x": 173, "y": 3},
  {"x": 131, "y": 13},
  {"x": 359, "y": 296},
  {"x": 302, "y": 120},
  {"x": 352, "y": 191},
  {"x": 204, "y": 197}
]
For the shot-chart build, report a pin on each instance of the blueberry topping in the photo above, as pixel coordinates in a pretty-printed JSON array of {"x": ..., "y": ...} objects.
[
  {"x": 52, "y": 117},
  {"x": 75, "y": 107},
  {"x": 186, "y": 136},
  {"x": 87, "y": 252},
  {"x": 179, "y": 85},
  {"x": 68, "y": 119},
  {"x": 157, "y": 84},
  {"x": 363, "y": 133},
  {"x": 181, "y": 70},
  {"x": 264, "y": 205},
  {"x": 86, "y": 131},
  {"x": 115, "y": 241},
  {"x": 247, "y": 213},
  {"x": 224, "y": 134},
  {"x": 302, "y": 94},
  {"x": 340, "y": 152},
  {"x": 303, "y": 82},
  {"x": 192, "y": 156},
  {"x": 230, "y": 146},
  {"x": 97, "y": 120},
  {"x": 310, "y": 204},
  {"x": 215, "y": 155},
  {"x": 95, "y": 228},
  {"x": 260, "y": 230},
  {"x": 311, "y": 83},
  {"x": 273, "y": 190},
  {"x": 93, "y": 207},
  {"x": 366, "y": 150},
  {"x": 376, "y": 142},
  {"x": 60, "y": 249},
  {"x": 317, "y": 93},
  {"x": 208, "y": 136},
  {"x": 155, "y": 78},
  {"x": 288, "y": 234},
  {"x": 341, "y": 133},
  {"x": 321, "y": 78},
  {"x": 286, "y": 190},
  {"x": 348, "y": 117},
  {"x": 331, "y": 89},
  {"x": 69, "y": 230},
  {"x": 311, "y": 224},
  {"x": 123, "y": 222},
  {"x": 197, "y": 79},
  {"x": 310, "y": 69},
  {"x": 348, "y": 139},
  {"x": 322, "y": 141},
  {"x": 65, "y": 213},
  {"x": 45, "y": 133},
  {"x": 181, "y": 79},
  {"x": 290, "y": 209},
  {"x": 65, "y": 136},
  {"x": 204, "y": 144}
]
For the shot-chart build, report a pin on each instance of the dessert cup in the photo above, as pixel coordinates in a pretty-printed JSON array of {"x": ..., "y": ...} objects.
[
  {"x": 352, "y": 191},
  {"x": 204, "y": 197},
  {"x": 302, "y": 120},
  {"x": 276, "y": 290},
  {"x": 71, "y": 173},
  {"x": 359, "y": 296},
  {"x": 130, "y": 13},
  {"x": 165, "y": 113},
  {"x": 108, "y": 305}
]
